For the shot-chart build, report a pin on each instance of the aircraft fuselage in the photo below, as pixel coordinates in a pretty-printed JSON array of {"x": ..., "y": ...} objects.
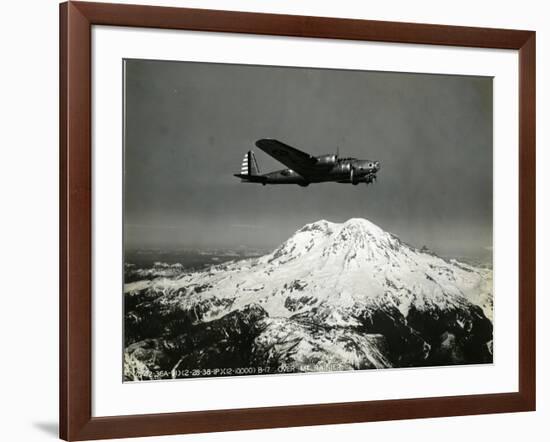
[
  {"x": 364, "y": 172},
  {"x": 304, "y": 169}
]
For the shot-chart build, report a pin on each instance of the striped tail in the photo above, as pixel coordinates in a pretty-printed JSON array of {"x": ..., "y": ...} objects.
[
  {"x": 249, "y": 166},
  {"x": 250, "y": 172}
]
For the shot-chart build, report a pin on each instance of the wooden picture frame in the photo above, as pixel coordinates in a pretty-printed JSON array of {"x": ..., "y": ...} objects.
[{"x": 76, "y": 21}]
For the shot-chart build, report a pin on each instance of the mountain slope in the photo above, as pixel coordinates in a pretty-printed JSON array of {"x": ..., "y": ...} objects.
[{"x": 332, "y": 297}]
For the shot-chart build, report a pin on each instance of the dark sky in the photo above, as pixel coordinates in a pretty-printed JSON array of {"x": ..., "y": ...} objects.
[{"x": 188, "y": 126}]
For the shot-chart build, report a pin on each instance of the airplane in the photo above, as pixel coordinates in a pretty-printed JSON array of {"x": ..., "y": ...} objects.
[{"x": 304, "y": 169}]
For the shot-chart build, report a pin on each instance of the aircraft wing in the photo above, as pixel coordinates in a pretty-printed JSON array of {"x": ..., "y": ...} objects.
[{"x": 300, "y": 162}]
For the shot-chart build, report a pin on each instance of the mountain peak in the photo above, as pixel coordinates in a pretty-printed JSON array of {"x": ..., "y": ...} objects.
[
  {"x": 361, "y": 222},
  {"x": 318, "y": 226},
  {"x": 339, "y": 264},
  {"x": 357, "y": 224},
  {"x": 352, "y": 242},
  {"x": 347, "y": 292},
  {"x": 362, "y": 225}
]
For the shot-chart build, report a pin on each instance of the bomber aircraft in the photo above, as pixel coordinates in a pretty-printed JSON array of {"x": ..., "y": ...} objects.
[{"x": 304, "y": 169}]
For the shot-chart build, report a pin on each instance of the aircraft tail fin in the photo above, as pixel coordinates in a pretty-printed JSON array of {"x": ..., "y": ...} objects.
[
  {"x": 249, "y": 166},
  {"x": 250, "y": 172}
]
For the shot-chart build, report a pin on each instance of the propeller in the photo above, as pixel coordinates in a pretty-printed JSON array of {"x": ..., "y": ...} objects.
[{"x": 371, "y": 180}]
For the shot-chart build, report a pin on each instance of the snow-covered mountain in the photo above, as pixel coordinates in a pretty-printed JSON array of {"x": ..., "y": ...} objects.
[{"x": 332, "y": 297}]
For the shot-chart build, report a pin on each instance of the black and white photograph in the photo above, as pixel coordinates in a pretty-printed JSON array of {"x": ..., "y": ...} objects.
[{"x": 288, "y": 220}]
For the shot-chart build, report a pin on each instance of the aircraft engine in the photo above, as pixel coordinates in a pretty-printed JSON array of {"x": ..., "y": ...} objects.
[
  {"x": 327, "y": 160},
  {"x": 353, "y": 176}
]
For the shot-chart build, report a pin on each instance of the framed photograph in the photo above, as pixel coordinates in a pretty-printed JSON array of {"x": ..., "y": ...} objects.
[{"x": 274, "y": 220}]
